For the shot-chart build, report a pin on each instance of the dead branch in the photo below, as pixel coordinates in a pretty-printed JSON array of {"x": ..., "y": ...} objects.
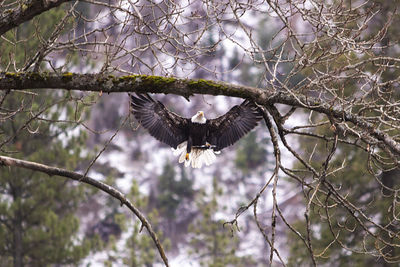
[
  {"x": 54, "y": 171},
  {"x": 11, "y": 18}
]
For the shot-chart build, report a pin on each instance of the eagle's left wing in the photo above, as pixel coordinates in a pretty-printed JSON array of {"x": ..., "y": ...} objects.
[
  {"x": 229, "y": 128},
  {"x": 161, "y": 123}
]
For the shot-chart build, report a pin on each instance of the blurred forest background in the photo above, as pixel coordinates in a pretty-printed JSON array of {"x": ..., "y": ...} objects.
[{"x": 49, "y": 221}]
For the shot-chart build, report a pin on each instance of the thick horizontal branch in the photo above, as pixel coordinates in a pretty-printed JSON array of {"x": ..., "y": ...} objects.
[
  {"x": 11, "y": 18},
  {"x": 130, "y": 83},
  {"x": 186, "y": 88},
  {"x": 12, "y": 162}
]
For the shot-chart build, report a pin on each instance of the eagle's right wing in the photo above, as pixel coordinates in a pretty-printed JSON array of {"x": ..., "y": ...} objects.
[
  {"x": 161, "y": 123},
  {"x": 229, "y": 128}
]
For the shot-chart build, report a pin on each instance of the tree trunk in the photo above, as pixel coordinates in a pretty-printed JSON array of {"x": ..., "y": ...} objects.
[
  {"x": 17, "y": 238},
  {"x": 17, "y": 230},
  {"x": 389, "y": 179}
]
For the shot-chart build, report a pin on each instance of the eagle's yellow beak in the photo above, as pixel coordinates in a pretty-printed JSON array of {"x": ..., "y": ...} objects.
[
  {"x": 187, "y": 156},
  {"x": 201, "y": 113}
]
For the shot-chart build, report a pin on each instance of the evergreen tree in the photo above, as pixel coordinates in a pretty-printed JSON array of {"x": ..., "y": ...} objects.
[
  {"x": 139, "y": 246},
  {"x": 213, "y": 244},
  {"x": 251, "y": 154},
  {"x": 172, "y": 191},
  {"x": 38, "y": 226}
]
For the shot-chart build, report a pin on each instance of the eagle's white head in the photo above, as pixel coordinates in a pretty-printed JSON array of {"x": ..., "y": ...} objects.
[{"x": 199, "y": 117}]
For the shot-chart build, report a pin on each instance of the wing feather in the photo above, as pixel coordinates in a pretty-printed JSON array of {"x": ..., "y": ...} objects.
[
  {"x": 229, "y": 128},
  {"x": 161, "y": 123}
]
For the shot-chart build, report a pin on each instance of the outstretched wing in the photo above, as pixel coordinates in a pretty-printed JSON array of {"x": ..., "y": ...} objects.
[
  {"x": 161, "y": 123},
  {"x": 229, "y": 128}
]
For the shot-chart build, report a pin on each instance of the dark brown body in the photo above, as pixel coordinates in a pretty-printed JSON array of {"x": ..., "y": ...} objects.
[{"x": 196, "y": 136}]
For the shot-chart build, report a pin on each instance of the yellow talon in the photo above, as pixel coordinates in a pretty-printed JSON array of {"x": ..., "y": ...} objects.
[{"x": 187, "y": 156}]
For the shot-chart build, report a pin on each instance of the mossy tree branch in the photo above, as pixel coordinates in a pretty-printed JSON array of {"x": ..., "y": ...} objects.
[
  {"x": 188, "y": 87},
  {"x": 130, "y": 83},
  {"x": 11, "y": 18}
]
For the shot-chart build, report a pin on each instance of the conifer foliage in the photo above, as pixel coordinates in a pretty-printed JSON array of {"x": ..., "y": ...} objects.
[{"x": 37, "y": 212}]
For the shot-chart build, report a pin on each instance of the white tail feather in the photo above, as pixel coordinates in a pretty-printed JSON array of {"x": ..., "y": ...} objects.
[{"x": 197, "y": 157}]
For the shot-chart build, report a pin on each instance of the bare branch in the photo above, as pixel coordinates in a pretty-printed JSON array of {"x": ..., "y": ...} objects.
[
  {"x": 11, "y": 18},
  {"x": 12, "y": 162}
]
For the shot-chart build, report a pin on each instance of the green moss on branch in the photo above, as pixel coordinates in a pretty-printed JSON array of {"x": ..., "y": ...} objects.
[{"x": 127, "y": 83}]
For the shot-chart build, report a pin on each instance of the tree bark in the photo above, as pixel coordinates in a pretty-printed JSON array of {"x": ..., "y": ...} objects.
[
  {"x": 17, "y": 231},
  {"x": 17, "y": 239},
  {"x": 11, "y": 18}
]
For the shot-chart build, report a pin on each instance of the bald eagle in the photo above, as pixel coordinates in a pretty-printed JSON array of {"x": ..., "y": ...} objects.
[{"x": 195, "y": 140}]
